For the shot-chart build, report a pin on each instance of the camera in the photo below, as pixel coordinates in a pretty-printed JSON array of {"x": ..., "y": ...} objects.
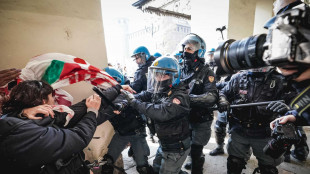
[
  {"x": 287, "y": 43},
  {"x": 283, "y": 136}
]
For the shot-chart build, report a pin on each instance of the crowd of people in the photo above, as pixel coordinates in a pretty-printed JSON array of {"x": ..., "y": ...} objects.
[{"x": 175, "y": 98}]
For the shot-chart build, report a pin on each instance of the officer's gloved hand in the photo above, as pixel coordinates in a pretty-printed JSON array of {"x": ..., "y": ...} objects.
[
  {"x": 223, "y": 104},
  {"x": 278, "y": 107},
  {"x": 129, "y": 96},
  {"x": 120, "y": 106}
]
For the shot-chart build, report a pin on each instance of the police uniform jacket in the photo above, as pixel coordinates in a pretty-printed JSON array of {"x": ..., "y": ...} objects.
[
  {"x": 201, "y": 87},
  {"x": 171, "y": 119},
  {"x": 250, "y": 87},
  {"x": 140, "y": 78}
]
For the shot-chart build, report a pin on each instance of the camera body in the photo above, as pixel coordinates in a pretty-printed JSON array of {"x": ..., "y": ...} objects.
[
  {"x": 284, "y": 135},
  {"x": 287, "y": 43}
]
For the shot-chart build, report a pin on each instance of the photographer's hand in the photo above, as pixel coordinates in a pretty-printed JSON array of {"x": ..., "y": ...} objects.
[
  {"x": 283, "y": 120},
  {"x": 31, "y": 113}
]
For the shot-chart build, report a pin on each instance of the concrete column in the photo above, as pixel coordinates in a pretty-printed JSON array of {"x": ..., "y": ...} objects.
[
  {"x": 263, "y": 13},
  {"x": 33, "y": 27},
  {"x": 241, "y": 18}
]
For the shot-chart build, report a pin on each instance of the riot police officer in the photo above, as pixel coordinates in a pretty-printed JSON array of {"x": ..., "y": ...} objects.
[
  {"x": 249, "y": 126},
  {"x": 167, "y": 103},
  {"x": 144, "y": 59},
  {"x": 129, "y": 127},
  {"x": 200, "y": 82}
]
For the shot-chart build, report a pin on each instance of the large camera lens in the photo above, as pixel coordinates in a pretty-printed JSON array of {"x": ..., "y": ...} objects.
[{"x": 242, "y": 54}]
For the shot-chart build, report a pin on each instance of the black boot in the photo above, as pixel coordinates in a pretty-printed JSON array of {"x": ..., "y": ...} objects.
[
  {"x": 219, "y": 150},
  {"x": 147, "y": 169},
  {"x": 235, "y": 165},
  {"x": 268, "y": 169},
  {"x": 197, "y": 159}
]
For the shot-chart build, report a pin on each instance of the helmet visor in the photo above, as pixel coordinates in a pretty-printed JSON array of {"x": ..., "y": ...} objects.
[{"x": 159, "y": 80}]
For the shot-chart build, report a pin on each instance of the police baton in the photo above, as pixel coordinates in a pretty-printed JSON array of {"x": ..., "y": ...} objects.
[{"x": 251, "y": 104}]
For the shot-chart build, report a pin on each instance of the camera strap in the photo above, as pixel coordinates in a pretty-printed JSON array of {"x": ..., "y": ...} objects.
[{"x": 302, "y": 101}]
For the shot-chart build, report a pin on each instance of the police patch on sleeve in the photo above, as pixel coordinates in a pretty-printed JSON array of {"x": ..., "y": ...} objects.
[{"x": 211, "y": 78}]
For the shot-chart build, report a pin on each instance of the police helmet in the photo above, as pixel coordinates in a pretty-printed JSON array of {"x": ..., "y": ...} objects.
[
  {"x": 141, "y": 51},
  {"x": 163, "y": 74},
  {"x": 118, "y": 76},
  {"x": 196, "y": 41}
]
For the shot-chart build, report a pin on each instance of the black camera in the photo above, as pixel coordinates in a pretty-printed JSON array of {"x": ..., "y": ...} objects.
[
  {"x": 284, "y": 135},
  {"x": 287, "y": 43}
]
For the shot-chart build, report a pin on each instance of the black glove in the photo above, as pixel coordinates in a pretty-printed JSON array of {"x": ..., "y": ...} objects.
[
  {"x": 129, "y": 96},
  {"x": 223, "y": 104},
  {"x": 120, "y": 106},
  {"x": 278, "y": 107}
]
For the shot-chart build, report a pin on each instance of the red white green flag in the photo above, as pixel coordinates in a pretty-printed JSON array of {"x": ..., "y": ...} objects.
[{"x": 61, "y": 70}]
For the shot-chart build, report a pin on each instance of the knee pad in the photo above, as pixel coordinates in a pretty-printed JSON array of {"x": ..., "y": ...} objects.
[
  {"x": 147, "y": 169},
  {"x": 235, "y": 164},
  {"x": 268, "y": 169}
]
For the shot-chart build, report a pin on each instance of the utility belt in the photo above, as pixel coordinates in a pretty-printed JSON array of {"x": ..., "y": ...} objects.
[
  {"x": 199, "y": 117},
  {"x": 247, "y": 124},
  {"x": 249, "y": 129},
  {"x": 177, "y": 147}
]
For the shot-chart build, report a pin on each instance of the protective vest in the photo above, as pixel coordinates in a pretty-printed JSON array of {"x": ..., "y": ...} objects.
[
  {"x": 257, "y": 87},
  {"x": 173, "y": 130},
  {"x": 195, "y": 82}
]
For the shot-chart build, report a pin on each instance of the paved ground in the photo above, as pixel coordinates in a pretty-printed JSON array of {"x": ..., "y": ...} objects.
[{"x": 217, "y": 164}]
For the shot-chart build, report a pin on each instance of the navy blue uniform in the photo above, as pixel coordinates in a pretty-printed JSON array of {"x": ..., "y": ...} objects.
[
  {"x": 249, "y": 126},
  {"x": 171, "y": 125}
]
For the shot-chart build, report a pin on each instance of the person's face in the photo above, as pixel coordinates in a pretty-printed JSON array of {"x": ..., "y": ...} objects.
[
  {"x": 189, "y": 48},
  {"x": 50, "y": 100},
  {"x": 138, "y": 59},
  {"x": 162, "y": 77},
  {"x": 304, "y": 76}
]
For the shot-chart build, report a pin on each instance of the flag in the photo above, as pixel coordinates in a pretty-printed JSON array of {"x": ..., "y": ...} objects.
[{"x": 61, "y": 70}]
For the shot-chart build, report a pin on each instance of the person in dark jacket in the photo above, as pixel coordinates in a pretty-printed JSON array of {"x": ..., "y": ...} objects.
[
  {"x": 129, "y": 127},
  {"x": 299, "y": 74},
  {"x": 201, "y": 86},
  {"x": 167, "y": 103},
  {"x": 300, "y": 77},
  {"x": 144, "y": 60},
  {"x": 249, "y": 126},
  {"x": 47, "y": 145}
]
